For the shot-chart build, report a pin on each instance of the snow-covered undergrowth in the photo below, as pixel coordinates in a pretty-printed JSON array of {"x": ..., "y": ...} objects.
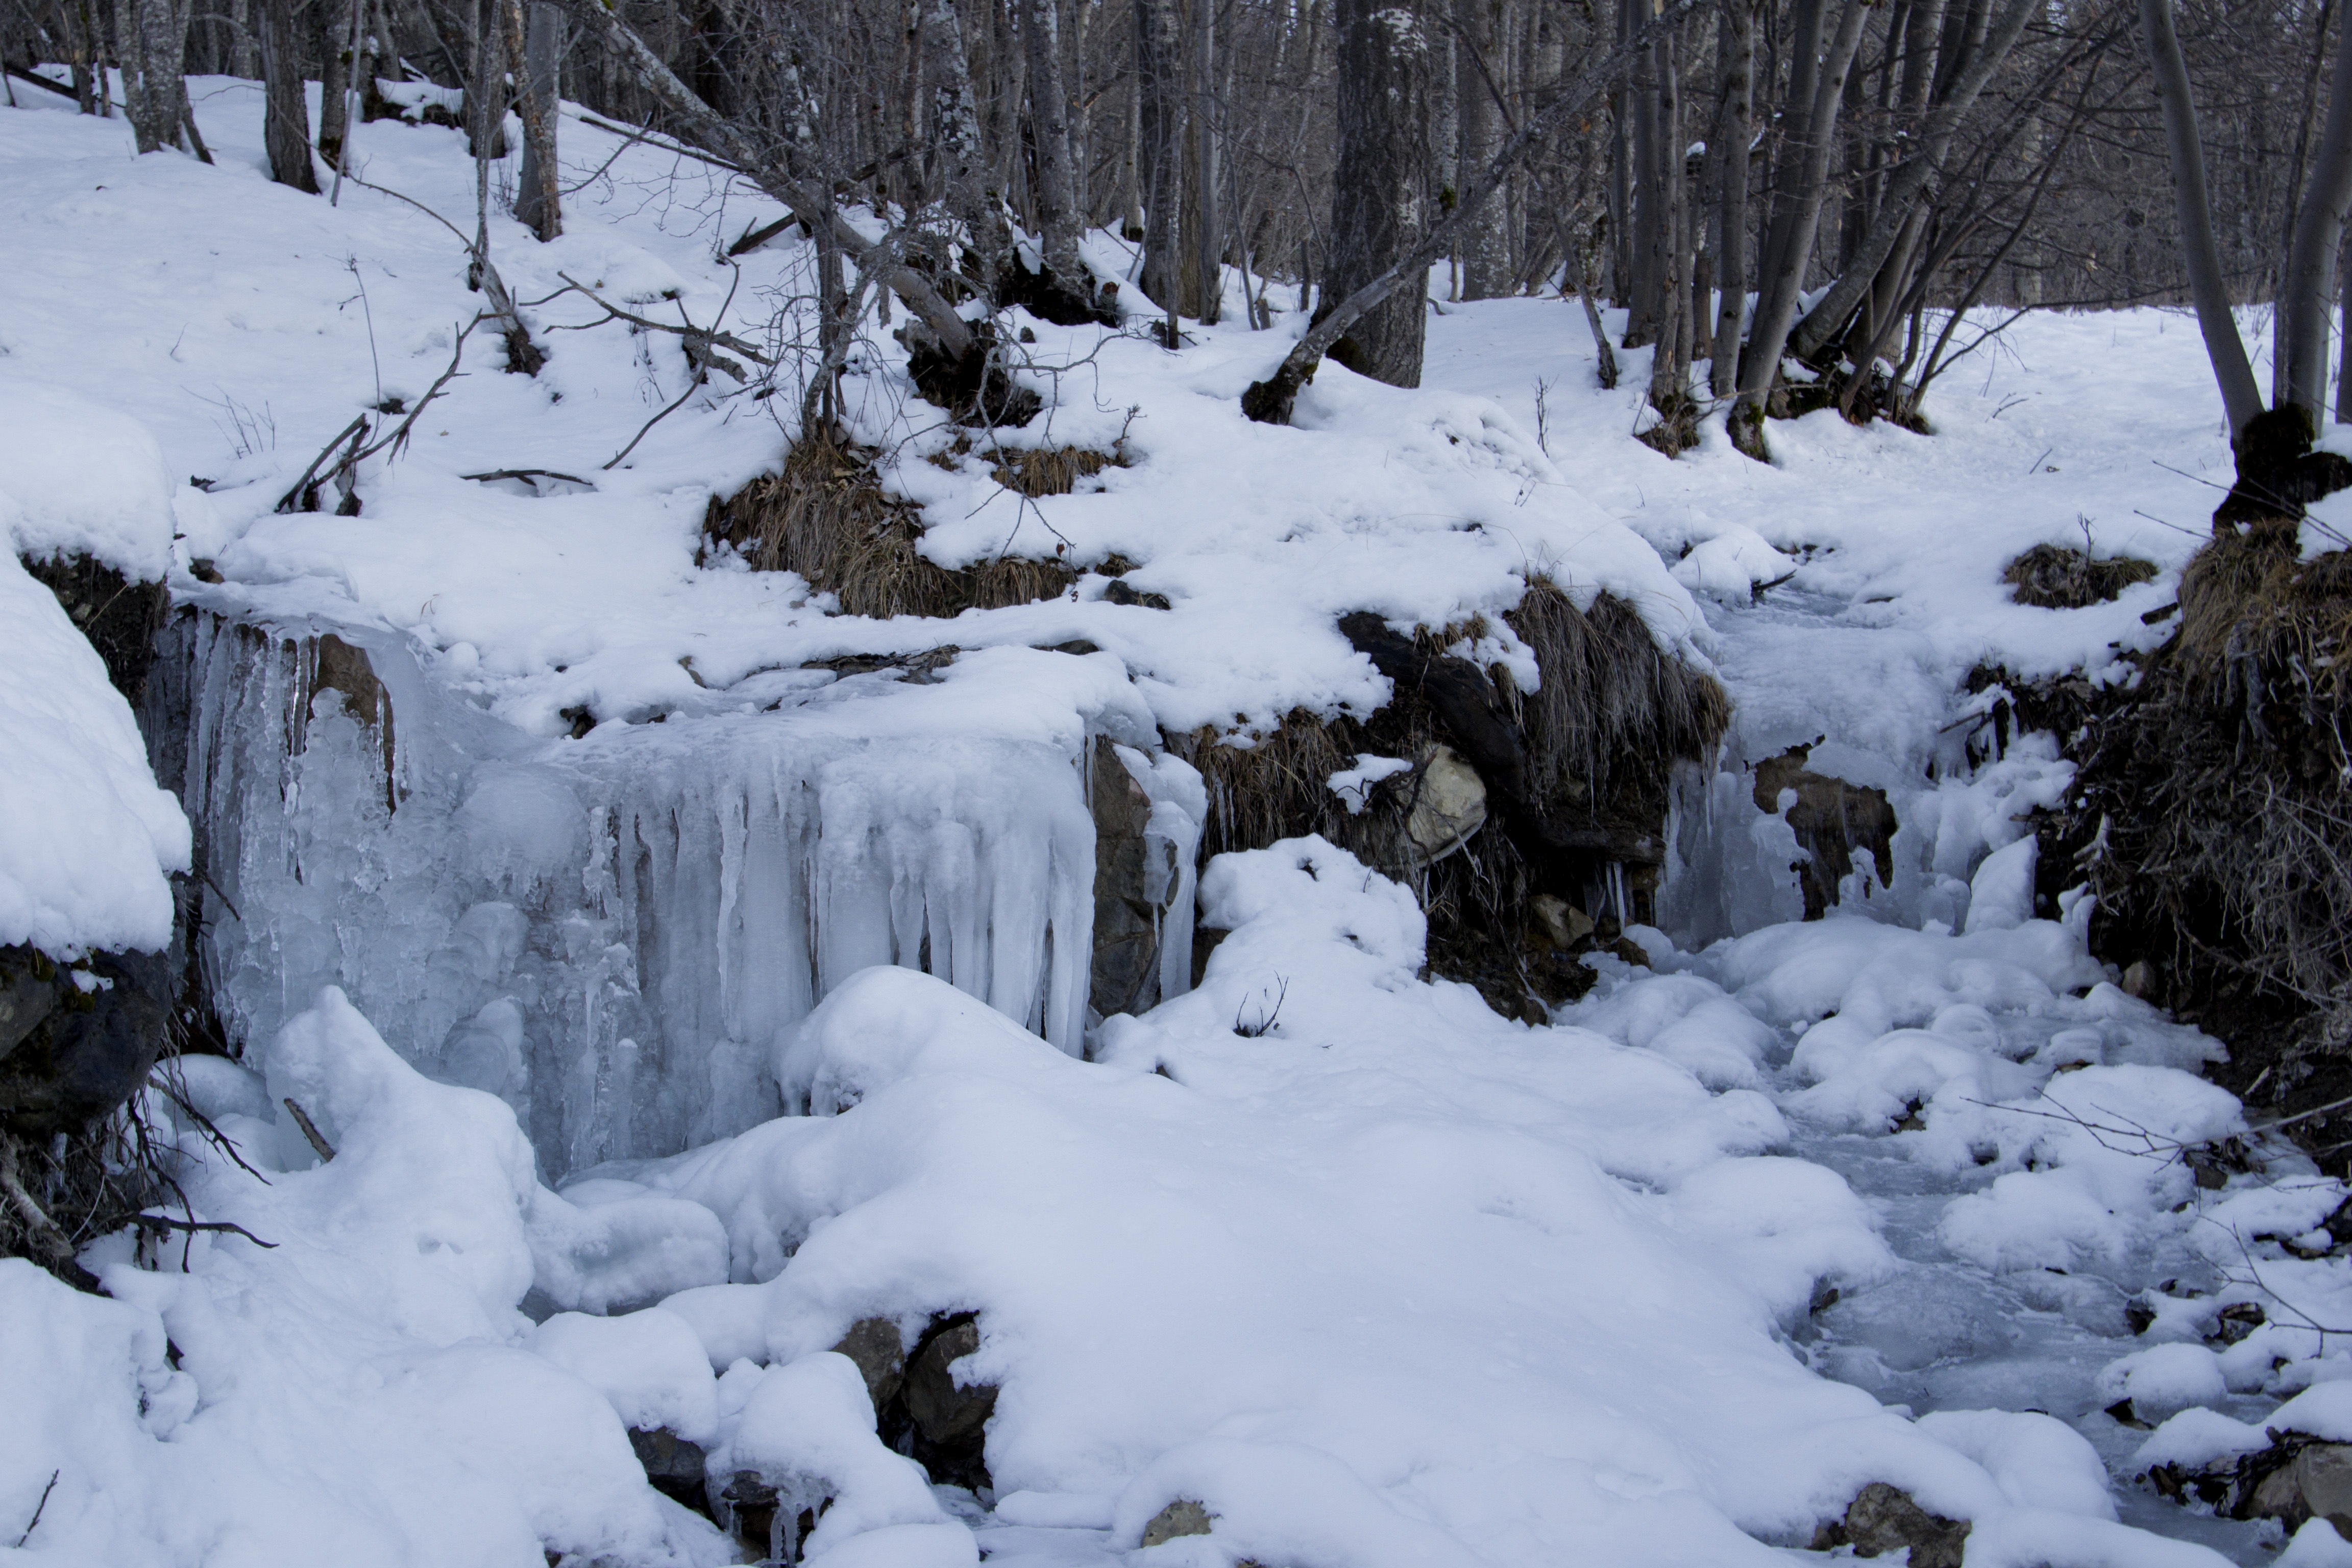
[{"x": 1372, "y": 1274}]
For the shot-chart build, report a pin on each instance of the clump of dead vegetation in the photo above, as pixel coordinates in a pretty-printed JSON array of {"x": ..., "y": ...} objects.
[
  {"x": 827, "y": 517},
  {"x": 2214, "y": 819},
  {"x": 1035, "y": 471},
  {"x": 2061, "y": 577}
]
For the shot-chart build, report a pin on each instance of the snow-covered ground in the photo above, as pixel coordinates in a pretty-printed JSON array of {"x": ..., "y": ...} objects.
[{"x": 1369, "y": 1272}]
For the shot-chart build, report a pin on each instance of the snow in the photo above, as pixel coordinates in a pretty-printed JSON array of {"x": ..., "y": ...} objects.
[
  {"x": 87, "y": 839},
  {"x": 781, "y": 972},
  {"x": 80, "y": 478}
]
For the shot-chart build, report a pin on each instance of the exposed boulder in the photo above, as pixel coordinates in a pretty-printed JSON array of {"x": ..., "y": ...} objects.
[
  {"x": 1884, "y": 1518},
  {"x": 1181, "y": 1518},
  {"x": 873, "y": 1346},
  {"x": 86, "y": 1037},
  {"x": 949, "y": 1418},
  {"x": 1449, "y": 805},
  {"x": 674, "y": 1467},
  {"x": 2295, "y": 1479}
]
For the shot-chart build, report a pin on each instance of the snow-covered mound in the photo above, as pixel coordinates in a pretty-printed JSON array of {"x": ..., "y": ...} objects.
[{"x": 85, "y": 838}]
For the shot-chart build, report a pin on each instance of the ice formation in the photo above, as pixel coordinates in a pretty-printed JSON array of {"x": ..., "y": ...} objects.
[{"x": 615, "y": 934}]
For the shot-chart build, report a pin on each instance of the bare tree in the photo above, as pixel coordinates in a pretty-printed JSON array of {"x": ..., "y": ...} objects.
[{"x": 1379, "y": 187}]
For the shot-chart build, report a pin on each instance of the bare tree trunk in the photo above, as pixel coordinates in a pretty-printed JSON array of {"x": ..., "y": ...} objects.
[
  {"x": 1378, "y": 183},
  {"x": 1059, "y": 217},
  {"x": 1159, "y": 90},
  {"x": 2344, "y": 368},
  {"x": 1670, "y": 367},
  {"x": 1912, "y": 185},
  {"x": 2198, "y": 254},
  {"x": 285, "y": 114},
  {"x": 1605, "y": 356},
  {"x": 1804, "y": 46},
  {"x": 152, "y": 37},
  {"x": 2301, "y": 343},
  {"x": 1736, "y": 130},
  {"x": 539, "y": 196},
  {"x": 1207, "y": 246},
  {"x": 1486, "y": 250},
  {"x": 330, "y": 28},
  {"x": 1270, "y": 402},
  {"x": 1776, "y": 311},
  {"x": 1641, "y": 305},
  {"x": 954, "y": 127}
]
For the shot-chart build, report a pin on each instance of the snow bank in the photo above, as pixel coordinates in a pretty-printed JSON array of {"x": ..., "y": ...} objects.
[
  {"x": 80, "y": 478},
  {"x": 86, "y": 839}
]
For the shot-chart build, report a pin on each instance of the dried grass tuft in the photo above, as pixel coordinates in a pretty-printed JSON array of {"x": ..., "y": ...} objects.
[
  {"x": 1036, "y": 471},
  {"x": 827, "y": 517},
  {"x": 2060, "y": 577},
  {"x": 1614, "y": 708}
]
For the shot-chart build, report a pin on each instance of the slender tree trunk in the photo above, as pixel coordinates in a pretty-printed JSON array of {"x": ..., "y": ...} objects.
[
  {"x": 1642, "y": 309},
  {"x": 1670, "y": 367},
  {"x": 1202, "y": 214},
  {"x": 152, "y": 38},
  {"x": 1914, "y": 183},
  {"x": 954, "y": 128},
  {"x": 331, "y": 25},
  {"x": 2301, "y": 348},
  {"x": 2344, "y": 367},
  {"x": 1485, "y": 248},
  {"x": 1058, "y": 216},
  {"x": 1790, "y": 153},
  {"x": 539, "y": 196},
  {"x": 1159, "y": 87},
  {"x": 2199, "y": 256},
  {"x": 1775, "y": 312},
  {"x": 285, "y": 115},
  {"x": 1731, "y": 198},
  {"x": 1379, "y": 181},
  {"x": 1605, "y": 356}
]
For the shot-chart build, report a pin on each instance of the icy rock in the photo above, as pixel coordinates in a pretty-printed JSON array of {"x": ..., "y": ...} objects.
[
  {"x": 1884, "y": 1518},
  {"x": 875, "y": 1347},
  {"x": 2000, "y": 894},
  {"x": 1449, "y": 805},
  {"x": 1182, "y": 1516},
  {"x": 1147, "y": 816}
]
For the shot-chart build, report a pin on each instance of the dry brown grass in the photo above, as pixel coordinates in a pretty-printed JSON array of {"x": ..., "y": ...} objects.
[
  {"x": 1035, "y": 471},
  {"x": 2060, "y": 577},
  {"x": 827, "y": 517},
  {"x": 1614, "y": 708}
]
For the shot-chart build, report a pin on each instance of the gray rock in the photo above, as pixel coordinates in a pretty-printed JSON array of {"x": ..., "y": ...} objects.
[
  {"x": 874, "y": 1345},
  {"x": 1562, "y": 923},
  {"x": 1182, "y": 1516},
  {"x": 1449, "y": 805},
  {"x": 1884, "y": 1518},
  {"x": 28, "y": 989},
  {"x": 90, "y": 1049},
  {"x": 1126, "y": 917},
  {"x": 2316, "y": 1483},
  {"x": 944, "y": 1412},
  {"x": 673, "y": 1465}
]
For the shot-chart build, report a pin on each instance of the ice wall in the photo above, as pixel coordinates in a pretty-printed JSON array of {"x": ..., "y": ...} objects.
[{"x": 614, "y": 933}]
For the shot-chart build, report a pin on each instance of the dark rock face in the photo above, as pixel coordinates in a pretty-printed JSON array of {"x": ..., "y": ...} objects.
[
  {"x": 1129, "y": 866},
  {"x": 1831, "y": 819},
  {"x": 118, "y": 616},
  {"x": 1884, "y": 1519},
  {"x": 73, "y": 1050},
  {"x": 947, "y": 1422},
  {"x": 674, "y": 1467},
  {"x": 881, "y": 1360}
]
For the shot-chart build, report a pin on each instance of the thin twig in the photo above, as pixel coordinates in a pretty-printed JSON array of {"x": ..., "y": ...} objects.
[
  {"x": 326, "y": 1151},
  {"x": 38, "y": 1509}
]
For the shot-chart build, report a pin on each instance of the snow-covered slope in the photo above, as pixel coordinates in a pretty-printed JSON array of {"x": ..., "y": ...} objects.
[{"x": 1328, "y": 1248}]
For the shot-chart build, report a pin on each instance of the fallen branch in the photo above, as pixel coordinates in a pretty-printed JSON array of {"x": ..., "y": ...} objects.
[
  {"x": 38, "y": 1509},
  {"x": 326, "y": 1151},
  {"x": 165, "y": 1222}
]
